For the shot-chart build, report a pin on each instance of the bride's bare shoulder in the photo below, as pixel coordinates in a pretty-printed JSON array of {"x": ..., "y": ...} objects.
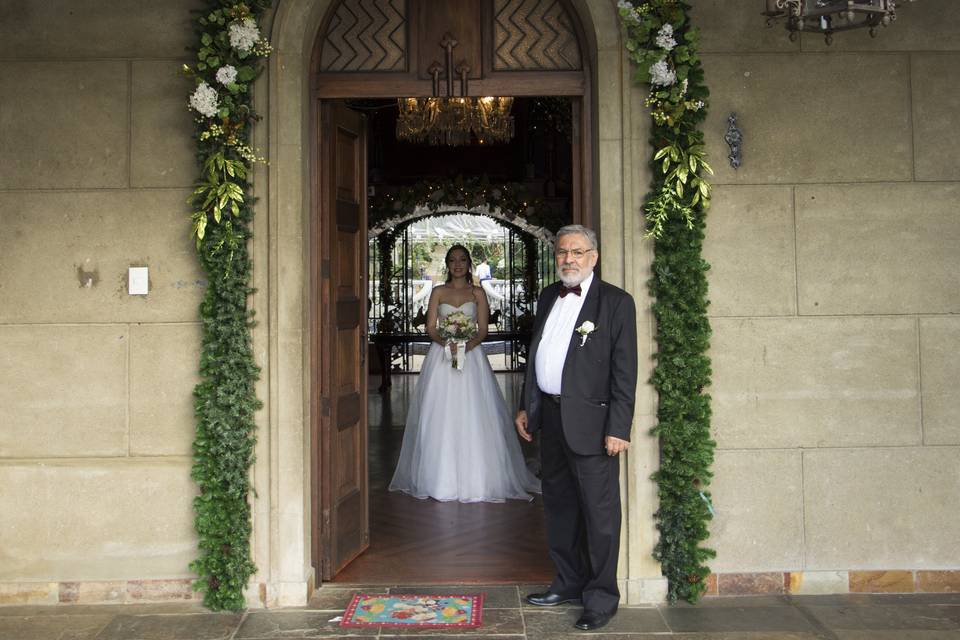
[{"x": 439, "y": 293}]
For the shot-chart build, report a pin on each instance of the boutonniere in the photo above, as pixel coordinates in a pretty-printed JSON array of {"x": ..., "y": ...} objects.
[{"x": 585, "y": 330}]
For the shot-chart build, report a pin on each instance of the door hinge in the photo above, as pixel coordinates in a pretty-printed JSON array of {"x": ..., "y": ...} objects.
[
  {"x": 325, "y": 268},
  {"x": 325, "y": 411}
]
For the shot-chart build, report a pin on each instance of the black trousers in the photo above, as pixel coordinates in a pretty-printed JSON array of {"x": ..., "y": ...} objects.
[{"x": 581, "y": 497}]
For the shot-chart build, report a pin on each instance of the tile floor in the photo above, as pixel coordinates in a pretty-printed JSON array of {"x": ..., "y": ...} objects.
[{"x": 840, "y": 617}]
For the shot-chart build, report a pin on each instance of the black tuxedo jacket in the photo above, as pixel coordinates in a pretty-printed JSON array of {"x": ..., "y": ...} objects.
[{"x": 599, "y": 377}]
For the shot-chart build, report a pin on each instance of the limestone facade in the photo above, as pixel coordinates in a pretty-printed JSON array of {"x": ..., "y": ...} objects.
[{"x": 834, "y": 293}]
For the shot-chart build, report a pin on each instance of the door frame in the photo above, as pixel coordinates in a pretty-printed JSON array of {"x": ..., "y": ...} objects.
[{"x": 332, "y": 86}]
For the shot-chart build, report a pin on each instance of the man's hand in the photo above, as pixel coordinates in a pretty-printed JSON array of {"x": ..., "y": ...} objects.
[
  {"x": 521, "y": 422},
  {"x": 613, "y": 445}
]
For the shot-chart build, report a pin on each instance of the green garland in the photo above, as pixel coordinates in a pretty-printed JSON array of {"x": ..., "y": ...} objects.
[
  {"x": 388, "y": 209},
  {"x": 228, "y": 60},
  {"x": 663, "y": 45}
]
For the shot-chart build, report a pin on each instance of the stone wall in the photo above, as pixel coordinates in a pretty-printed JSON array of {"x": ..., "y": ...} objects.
[
  {"x": 96, "y": 417},
  {"x": 834, "y": 294},
  {"x": 835, "y": 285}
]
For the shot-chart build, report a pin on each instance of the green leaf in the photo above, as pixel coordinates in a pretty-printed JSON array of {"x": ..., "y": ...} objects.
[
  {"x": 246, "y": 73},
  {"x": 213, "y": 61},
  {"x": 206, "y": 39}
]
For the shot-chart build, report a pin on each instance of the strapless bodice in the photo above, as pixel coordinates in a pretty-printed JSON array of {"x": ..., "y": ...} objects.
[{"x": 469, "y": 307}]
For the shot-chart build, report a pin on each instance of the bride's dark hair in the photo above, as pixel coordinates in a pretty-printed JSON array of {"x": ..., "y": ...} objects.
[{"x": 446, "y": 262}]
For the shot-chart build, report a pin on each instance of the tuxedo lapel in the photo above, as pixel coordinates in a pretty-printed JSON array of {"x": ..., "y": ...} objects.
[{"x": 589, "y": 311}]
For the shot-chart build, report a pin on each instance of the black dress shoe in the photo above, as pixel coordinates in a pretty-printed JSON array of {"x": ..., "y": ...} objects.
[
  {"x": 549, "y": 599},
  {"x": 591, "y": 620}
]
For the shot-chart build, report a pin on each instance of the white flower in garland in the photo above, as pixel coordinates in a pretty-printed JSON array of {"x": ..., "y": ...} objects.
[
  {"x": 204, "y": 100},
  {"x": 623, "y": 4},
  {"x": 661, "y": 74},
  {"x": 243, "y": 35},
  {"x": 664, "y": 37},
  {"x": 226, "y": 74}
]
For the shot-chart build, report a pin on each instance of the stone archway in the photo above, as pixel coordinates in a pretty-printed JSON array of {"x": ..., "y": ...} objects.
[{"x": 282, "y": 512}]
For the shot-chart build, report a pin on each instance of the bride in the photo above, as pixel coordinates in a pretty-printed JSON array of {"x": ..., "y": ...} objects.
[{"x": 459, "y": 442}]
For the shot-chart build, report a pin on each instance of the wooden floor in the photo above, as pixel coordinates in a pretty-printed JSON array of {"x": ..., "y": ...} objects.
[{"x": 428, "y": 542}]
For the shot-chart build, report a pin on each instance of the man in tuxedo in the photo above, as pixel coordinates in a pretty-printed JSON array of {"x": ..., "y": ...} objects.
[{"x": 579, "y": 394}]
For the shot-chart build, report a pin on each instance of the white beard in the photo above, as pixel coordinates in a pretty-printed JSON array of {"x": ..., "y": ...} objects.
[{"x": 573, "y": 278}]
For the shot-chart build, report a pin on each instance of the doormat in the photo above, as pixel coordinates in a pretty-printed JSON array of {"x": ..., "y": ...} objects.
[{"x": 414, "y": 611}]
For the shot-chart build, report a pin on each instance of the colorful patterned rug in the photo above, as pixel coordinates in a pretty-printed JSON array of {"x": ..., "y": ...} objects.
[{"x": 414, "y": 611}]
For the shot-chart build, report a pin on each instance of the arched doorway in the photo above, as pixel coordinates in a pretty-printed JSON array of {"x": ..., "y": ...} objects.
[{"x": 399, "y": 49}]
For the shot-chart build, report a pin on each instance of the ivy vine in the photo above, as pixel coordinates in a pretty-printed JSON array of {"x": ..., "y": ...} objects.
[
  {"x": 663, "y": 45},
  {"x": 229, "y": 53}
]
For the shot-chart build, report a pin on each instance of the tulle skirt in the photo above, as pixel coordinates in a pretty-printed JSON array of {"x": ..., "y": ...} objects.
[{"x": 459, "y": 442}]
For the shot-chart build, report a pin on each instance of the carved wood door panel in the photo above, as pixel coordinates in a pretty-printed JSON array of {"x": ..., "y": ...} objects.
[
  {"x": 344, "y": 522},
  {"x": 391, "y": 48}
]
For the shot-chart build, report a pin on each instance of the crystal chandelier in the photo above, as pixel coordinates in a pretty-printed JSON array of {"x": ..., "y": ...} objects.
[
  {"x": 452, "y": 121},
  {"x": 829, "y": 16}
]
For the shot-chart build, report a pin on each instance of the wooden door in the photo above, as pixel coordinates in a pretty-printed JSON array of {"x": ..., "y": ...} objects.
[{"x": 344, "y": 510}]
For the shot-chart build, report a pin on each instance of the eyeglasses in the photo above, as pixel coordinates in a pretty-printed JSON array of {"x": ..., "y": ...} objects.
[{"x": 577, "y": 254}]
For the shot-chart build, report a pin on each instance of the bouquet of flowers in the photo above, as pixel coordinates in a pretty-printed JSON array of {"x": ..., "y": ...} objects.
[{"x": 457, "y": 328}]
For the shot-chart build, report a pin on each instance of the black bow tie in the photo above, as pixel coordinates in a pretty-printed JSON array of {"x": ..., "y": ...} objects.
[{"x": 565, "y": 290}]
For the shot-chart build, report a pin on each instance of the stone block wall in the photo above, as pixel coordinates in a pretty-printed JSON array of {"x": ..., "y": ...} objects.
[
  {"x": 96, "y": 418},
  {"x": 834, "y": 286},
  {"x": 835, "y": 289}
]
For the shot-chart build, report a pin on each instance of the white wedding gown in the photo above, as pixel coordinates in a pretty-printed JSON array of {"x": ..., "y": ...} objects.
[{"x": 459, "y": 442}]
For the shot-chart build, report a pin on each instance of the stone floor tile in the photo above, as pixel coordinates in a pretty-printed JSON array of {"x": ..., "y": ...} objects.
[
  {"x": 63, "y": 627},
  {"x": 743, "y": 635},
  {"x": 503, "y": 636},
  {"x": 933, "y": 617},
  {"x": 548, "y": 623},
  {"x": 915, "y": 598},
  {"x": 495, "y": 622},
  {"x": 315, "y": 624},
  {"x": 902, "y": 634},
  {"x": 209, "y": 626},
  {"x": 295, "y": 624},
  {"x": 831, "y": 599},
  {"x": 336, "y": 598},
  {"x": 733, "y": 618},
  {"x": 494, "y": 597},
  {"x": 99, "y": 609},
  {"x": 738, "y": 601}
]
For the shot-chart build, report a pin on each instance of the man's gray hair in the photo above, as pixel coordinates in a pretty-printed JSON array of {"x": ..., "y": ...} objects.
[{"x": 571, "y": 229}]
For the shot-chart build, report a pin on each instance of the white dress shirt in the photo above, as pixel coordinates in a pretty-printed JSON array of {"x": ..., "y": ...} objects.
[{"x": 557, "y": 331}]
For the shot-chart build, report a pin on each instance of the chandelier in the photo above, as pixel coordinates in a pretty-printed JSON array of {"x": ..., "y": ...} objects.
[
  {"x": 829, "y": 16},
  {"x": 453, "y": 121}
]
